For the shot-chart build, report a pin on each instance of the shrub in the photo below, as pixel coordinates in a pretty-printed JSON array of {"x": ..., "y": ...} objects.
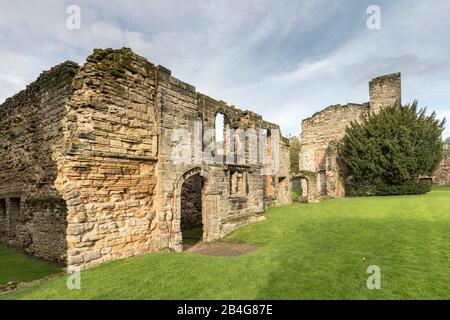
[
  {"x": 388, "y": 152},
  {"x": 409, "y": 188}
]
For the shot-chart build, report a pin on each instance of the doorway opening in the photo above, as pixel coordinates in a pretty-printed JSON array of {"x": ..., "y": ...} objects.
[
  {"x": 191, "y": 211},
  {"x": 300, "y": 190}
]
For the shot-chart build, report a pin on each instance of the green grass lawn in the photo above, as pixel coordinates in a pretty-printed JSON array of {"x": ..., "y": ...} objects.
[
  {"x": 20, "y": 268},
  {"x": 313, "y": 251}
]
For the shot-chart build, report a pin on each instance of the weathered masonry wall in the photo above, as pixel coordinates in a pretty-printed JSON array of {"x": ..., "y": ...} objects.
[
  {"x": 223, "y": 208},
  {"x": 442, "y": 175},
  {"x": 385, "y": 92},
  {"x": 320, "y": 169},
  {"x": 320, "y": 135},
  {"x": 283, "y": 185},
  {"x": 32, "y": 213},
  {"x": 87, "y": 169},
  {"x": 107, "y": 160}
]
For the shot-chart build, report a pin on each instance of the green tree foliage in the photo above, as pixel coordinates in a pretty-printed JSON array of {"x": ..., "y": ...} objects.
[
  {"x": 294, "y": 149},
  {"x": 389, "y": 151}
]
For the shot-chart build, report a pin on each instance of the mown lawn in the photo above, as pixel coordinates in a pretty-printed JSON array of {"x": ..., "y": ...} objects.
[
  {"x": 314, "y": 251},
  {"x": 20, "y": 268}
]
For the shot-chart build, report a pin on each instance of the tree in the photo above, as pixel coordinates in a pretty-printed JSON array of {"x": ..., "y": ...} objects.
[
  {"x": 294, "y": 150},
  {"x": 389, "y": 151}
]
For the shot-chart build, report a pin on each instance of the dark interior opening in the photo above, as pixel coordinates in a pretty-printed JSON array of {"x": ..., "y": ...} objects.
[
  {"x": 3, "y": 220},
  {"x": 13, "y": 212},
  {"x": 191, "y": 211}
]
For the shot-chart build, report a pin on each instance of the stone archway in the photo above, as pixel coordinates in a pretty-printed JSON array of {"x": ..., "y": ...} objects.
[
  {"x": 191, "y": 204},
  {"x": 309, "y": 182},
  {"x": 299, "y": 187},
  {"x": 210, "y": 207}
]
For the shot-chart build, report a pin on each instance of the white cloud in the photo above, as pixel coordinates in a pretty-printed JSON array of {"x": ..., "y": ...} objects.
[{"x": 284, "y": 60}]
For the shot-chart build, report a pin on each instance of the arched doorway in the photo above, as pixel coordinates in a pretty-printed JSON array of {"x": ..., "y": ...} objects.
[
  {"x": 300, "y": 189},
  {"x": 222, "y": 136},
  {"x": 308, "y": 184},
  {"x": 191, "y": 210},
  {"x": 211, "y": 208}
]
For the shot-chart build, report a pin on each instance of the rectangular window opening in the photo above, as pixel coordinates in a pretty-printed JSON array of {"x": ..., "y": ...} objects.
[
  {"x": 3, "y": 220},
  {"x": 13, "y": 212},
  {"x": 238, "y": 183}
]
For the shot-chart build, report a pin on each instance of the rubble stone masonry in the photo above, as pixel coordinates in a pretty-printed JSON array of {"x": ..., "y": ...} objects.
[
  {"x": 385, "y": 92},
  {"x": 87, "y": 172},
  {"x": 442, "y": 175},
  {"x": 32, "y": 212}
]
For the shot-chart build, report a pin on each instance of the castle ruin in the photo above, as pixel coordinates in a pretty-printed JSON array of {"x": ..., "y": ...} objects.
[
  {"x": 442, "y": 175},
  {"x": 321, "y": 174},
  {"x": 106, "y": 161},
  {"x": 89, "y": 168}
]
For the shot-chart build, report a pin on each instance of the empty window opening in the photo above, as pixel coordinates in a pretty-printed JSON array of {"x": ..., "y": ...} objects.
[
  {"x": 3, "y": 220},
  {"x": 222, "y": 134},
  {"x": 191, "y": 211},
  {"x": 269, "y": 179},
  {"x": 13, "y": 212},
  {"x": 240, "y": 146},
  {"x": 220, "y": 124},
  {"x": 238, "y": 183}
]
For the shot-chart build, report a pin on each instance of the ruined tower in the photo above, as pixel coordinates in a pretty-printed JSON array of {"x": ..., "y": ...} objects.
[
  {"x": 320, "y": 172},
  {"x": 385, "y": 91}
]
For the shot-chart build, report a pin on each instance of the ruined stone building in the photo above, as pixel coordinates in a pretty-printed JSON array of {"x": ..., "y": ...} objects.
[
  {"x": 87, "y": 173},
  {"x": 442, "y": 175},
  {"x": 320, "y": 173}
]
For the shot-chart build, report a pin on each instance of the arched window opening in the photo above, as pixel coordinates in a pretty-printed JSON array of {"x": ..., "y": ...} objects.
[{"x": 222, "y": 127}]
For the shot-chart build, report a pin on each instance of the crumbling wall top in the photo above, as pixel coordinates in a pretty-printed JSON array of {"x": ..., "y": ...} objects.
[
  {"x": 385, "y": 91},
  {"x": 45, "y": 81},
  {"x": 335, "y": 109}
]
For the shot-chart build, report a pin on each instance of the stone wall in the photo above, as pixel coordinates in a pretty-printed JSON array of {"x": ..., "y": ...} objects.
[
  {"x": 116, "y": 167},
  {"x": 284, "y": 182},
  {"x": 29, "y": 131},
  {"x": 88, "y": 173},
  {"x": 181, "y": 107},
  {"x": 318, "y": 154},
  {"x": 442, "y": 175},
  {"x": 385, "y": 91},
  {"x": 106, "y": 163}
]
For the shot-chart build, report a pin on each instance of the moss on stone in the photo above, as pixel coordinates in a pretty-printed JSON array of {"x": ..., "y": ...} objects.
[
  {"x": 118, "y": 73},
  {"x": 17, "y": 131}
]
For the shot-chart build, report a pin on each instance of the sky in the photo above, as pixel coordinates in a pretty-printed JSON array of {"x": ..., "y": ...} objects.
[{"x": 283, "y": 59}]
